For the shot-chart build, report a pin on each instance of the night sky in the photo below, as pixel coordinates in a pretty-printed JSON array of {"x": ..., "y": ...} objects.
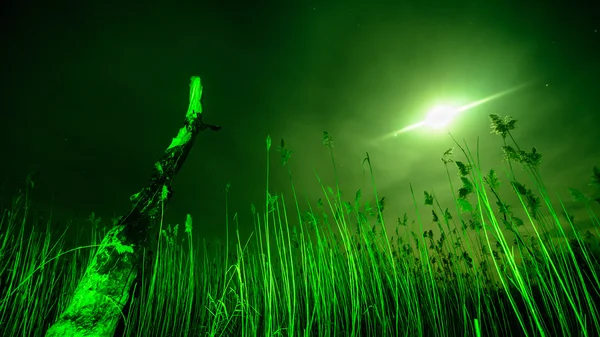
[{"x": 94, "y": 91}]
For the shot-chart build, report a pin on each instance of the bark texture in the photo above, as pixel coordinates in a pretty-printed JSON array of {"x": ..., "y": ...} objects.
[{"x": 98, "y": 300}]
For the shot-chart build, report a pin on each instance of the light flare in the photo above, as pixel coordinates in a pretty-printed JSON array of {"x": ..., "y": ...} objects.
[{"x": 442, "y": 116}]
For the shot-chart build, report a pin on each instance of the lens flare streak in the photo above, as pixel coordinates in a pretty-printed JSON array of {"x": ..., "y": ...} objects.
[{"x": 451, "y": 113}]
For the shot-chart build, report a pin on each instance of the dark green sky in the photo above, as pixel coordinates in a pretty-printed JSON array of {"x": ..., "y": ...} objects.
[{"x": 93, "y": 94}]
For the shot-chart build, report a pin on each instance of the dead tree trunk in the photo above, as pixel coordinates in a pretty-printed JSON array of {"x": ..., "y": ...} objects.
[{"x": 104, "y": 289}]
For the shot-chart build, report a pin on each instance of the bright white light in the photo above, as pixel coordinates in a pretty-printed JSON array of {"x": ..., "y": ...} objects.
[
  {"x": 438, "y": 118},
  {"x": 441, "y": 116}
]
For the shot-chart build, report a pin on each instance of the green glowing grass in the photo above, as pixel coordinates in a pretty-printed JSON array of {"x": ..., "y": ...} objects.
[{"x": 497, "y": 262}]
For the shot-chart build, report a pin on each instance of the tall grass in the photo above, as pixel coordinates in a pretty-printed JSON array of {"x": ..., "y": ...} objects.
[{"x": 485, "y": 268}]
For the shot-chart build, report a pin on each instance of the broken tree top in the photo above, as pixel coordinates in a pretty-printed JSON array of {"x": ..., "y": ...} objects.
[{"x": 193, "y": 115}]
